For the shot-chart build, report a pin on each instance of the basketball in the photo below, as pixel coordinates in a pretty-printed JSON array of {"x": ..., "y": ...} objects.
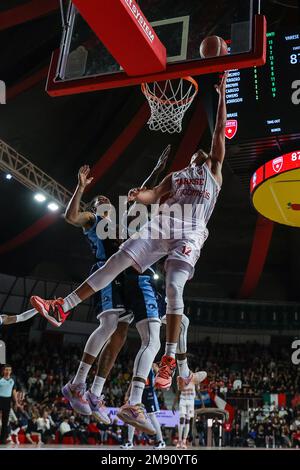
[{"x": 213, "y": 46}]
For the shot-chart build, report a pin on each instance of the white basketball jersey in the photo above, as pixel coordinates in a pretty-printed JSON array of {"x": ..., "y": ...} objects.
[
  {"x": 189, "y": 393},
  {"x": 195, "y": 191}
]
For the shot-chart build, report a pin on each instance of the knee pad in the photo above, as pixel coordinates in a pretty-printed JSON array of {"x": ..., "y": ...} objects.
[
  {"x": 174, "y": 293},
  {"x": 96, "y": 341},
  {"x": 149, "y": 331}
]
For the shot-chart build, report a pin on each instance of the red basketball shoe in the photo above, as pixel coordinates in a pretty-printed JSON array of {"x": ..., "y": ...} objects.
[
  {"x": 163, "y": 379},
  {"x": 52, "y": 310}
]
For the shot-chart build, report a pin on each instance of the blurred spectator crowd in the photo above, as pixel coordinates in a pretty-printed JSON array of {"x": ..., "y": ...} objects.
[{"x": 240, "y": 374}]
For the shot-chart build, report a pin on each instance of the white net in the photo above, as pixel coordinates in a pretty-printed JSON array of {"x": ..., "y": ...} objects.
[{"x": 169, "y": 101}]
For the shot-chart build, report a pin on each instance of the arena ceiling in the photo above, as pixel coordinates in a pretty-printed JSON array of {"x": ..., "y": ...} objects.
[{"x": 61, "y": 134}]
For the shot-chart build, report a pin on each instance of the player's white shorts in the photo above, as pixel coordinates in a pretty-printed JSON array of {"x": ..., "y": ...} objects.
[
  {"x": 145, "y": 251},
  {"x": 186, "y": 409}
]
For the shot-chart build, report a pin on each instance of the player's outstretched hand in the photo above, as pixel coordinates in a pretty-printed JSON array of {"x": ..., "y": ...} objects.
[
  {"x": 134, "y": 193},
  {"x": 163, "y": 158},
  {"x": 221, "y": 88},
  {"x": 83, "y": 176}
]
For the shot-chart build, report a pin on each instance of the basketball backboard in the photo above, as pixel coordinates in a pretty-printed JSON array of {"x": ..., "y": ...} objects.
[{"x": 84, "y": 64}]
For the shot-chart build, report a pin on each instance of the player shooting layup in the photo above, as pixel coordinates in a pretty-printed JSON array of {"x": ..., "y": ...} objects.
[{"x": 197, "y": 186}]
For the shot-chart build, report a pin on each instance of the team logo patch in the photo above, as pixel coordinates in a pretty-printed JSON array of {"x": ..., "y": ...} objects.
[
  {"x": 151, "y": 306},
  {"x": 186, "y": 250},
  {"x": 231, "y": 129},
  {"x": 277, "y": 164}
]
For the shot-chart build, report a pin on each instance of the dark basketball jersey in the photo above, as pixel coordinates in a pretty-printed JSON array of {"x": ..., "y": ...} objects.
[{"x": 102, "y": 249}]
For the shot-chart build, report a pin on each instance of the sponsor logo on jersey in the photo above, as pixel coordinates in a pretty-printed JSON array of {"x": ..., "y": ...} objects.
[{"x": 189, "y": 181}]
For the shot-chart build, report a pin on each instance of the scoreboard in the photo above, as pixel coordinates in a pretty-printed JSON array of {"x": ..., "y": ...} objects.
[{"x": 265, "y": 101}]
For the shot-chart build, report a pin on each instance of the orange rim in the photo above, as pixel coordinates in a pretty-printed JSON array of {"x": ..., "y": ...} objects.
[{"x": 150, "y": 95}]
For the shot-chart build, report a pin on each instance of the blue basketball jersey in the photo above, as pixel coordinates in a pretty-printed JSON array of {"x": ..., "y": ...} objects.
[{"x": 102, "y": 249}]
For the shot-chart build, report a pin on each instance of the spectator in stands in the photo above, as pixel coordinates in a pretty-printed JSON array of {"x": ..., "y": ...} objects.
[
  {"x": 269, "y": 435},
  {"x": 114, "y": 432},
  {"x": 277, "y": 431},
  {"x": 65, "y": 429},
  {"x": 296, "y": 422},
  {"x": 260, "y": 437},
  {"x": 202, "y": 431},
  {"x": 236, "y": 436},
  {"x": 42, "y": 369},
  {"x": 296, "y": 438},
  {"x": 45, "y": 425},
  {"x": 14, "y": 432},
  {"x": 79, "y": 430},
  {"x": 227, "y": 434},
  {"x": 103, "y": 432},
  {"x": 251, "y": 438},
  {"x": 285, "y": 437},
  {"x": 33, "y": 436},
  {"x": 216, "y": 431},
  {"x": 93, "y": 431}
]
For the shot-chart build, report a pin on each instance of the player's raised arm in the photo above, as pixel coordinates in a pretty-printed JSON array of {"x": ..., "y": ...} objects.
[
  {"x": 73, "y": 214},
  {"x": 217, "y": 152},
  {"x": 151, "y": 196},
  {"x": 152, "y": 179}
]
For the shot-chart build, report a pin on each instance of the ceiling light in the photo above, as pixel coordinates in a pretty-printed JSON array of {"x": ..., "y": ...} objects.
[
  {"x": 53, "y": 207},
  {"x": 39, "y": 197}
]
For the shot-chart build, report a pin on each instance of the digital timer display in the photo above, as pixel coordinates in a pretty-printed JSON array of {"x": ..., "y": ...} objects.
[{"x": 265, "y": 101}]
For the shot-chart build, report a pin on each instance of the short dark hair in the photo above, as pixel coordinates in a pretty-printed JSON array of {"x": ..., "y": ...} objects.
[
  {"x": 5, "y": 366},
  {"x": 91, "y": 204}
]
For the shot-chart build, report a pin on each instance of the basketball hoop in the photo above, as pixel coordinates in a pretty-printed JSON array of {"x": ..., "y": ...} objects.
[{"x": 169, "y": 101}]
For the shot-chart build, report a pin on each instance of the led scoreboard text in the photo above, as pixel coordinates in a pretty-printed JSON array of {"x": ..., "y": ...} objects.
[
  {"x": 289, "y": 161},
  {"x": 265, "y": 101}
]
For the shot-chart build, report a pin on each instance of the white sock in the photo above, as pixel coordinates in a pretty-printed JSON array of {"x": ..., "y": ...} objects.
[
  {"x": 180, "y": 431},
  {"x": 98, "y": 385},
  {"x": 183, "y": 368},
  {"x": 171, "y": 349},
  {"x": 186, "y": 430},
  {"x": 130, "y": 433},
  {"x": 82, "y": 373},
  {"x": 71, "y": 301},
  {"x": 26, "y": 315},
  {"x": 156, "y": 425},
  {"x": 136, "y": 392}
]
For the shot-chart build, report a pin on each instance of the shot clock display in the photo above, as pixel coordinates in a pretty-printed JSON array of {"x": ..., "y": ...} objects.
[{"x": 265, "y": 101}]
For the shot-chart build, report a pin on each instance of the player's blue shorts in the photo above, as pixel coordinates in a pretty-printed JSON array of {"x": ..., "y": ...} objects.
[
  {"x": 149, "y": 400},
  {"x": 140, "y": 295},
  {"x": 111, "y": 297}
]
